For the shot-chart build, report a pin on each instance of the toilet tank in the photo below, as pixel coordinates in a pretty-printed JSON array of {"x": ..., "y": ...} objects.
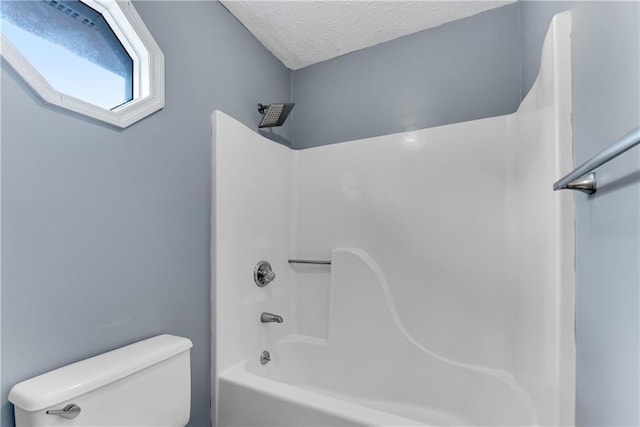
[{"x": 147, "y": 383}]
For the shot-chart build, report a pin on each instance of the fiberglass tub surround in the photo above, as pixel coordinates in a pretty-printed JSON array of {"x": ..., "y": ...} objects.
[{"x": 449, "y": 297}]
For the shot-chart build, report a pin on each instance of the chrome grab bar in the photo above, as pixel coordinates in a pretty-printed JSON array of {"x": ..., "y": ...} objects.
[
  {"x": 308, "y": 261},
  {"x": 576, "y": 179}
]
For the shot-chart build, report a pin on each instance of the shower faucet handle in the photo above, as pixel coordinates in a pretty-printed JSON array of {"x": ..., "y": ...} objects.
[{"x": 263, "y": 274}]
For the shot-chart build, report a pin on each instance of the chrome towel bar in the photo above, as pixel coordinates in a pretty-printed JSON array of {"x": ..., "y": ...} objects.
[
  {"x": 576, "y": 180},
  {"x": 308, "y": 261}
]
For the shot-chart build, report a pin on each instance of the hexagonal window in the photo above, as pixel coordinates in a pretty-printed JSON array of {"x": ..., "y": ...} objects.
[{"x": 94, "y": 57}]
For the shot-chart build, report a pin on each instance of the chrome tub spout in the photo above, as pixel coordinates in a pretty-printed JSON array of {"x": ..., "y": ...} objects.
[{"x": 269, "y": 317}]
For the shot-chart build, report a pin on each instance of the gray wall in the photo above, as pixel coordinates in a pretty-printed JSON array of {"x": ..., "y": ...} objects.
[
  {"x": 535, "y": 17},
  {"x": 464, "y": 70},
  {"x": 105, "y": 232}
]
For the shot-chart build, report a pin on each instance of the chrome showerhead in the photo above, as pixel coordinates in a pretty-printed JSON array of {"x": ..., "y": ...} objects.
[{"x": 274, "y": 114}]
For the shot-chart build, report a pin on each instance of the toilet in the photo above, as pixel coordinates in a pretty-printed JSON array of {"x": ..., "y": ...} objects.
[{"x": 147, "y": 383}]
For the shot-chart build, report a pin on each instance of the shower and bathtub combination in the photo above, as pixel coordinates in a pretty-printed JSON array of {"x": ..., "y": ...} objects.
[{"x": 441, "y": 285}]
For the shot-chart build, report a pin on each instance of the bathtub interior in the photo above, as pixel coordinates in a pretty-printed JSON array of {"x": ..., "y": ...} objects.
[{"x": 449, "y": 300}]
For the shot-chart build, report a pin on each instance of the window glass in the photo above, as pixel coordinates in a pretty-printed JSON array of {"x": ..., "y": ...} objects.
[{"x": 72, "y": 47}]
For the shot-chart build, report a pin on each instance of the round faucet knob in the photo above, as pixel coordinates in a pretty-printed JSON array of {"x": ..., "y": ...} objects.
[{"x": 263, "y": 274}]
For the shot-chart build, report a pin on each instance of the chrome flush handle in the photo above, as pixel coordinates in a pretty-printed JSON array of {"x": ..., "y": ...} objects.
[{"x": 69, "y": 412}]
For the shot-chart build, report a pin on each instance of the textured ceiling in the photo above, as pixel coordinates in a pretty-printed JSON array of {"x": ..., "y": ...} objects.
[{"x": 305, "y": 32}]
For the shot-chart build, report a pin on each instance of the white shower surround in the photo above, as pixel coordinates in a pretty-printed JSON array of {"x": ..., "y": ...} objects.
[{"x": 450, "y": 297}]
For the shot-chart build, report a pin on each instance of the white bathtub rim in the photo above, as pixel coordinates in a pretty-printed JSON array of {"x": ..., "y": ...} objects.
[{"x": 352, "y": 412}]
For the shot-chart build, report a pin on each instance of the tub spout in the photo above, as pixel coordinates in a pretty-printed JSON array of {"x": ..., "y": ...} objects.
[{"x": 269, "y": 317}]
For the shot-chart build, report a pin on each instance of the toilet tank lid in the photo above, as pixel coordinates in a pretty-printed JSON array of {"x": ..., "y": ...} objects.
[{"x": 73, "y": 380}]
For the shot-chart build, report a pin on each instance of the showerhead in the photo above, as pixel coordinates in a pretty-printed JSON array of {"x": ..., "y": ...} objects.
[{"x": 274, "y": 114}]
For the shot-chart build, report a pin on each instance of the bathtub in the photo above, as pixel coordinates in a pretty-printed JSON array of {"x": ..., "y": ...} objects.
[
  {"x": 384, "y": 377},
  {"x": 283, "y": 393},
  {"x": 248, "y": 399}
]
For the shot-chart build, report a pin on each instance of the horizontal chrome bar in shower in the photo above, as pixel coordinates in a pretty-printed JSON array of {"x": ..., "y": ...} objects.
[
  {"x": 572, "y": 180},
  {"x": 308, "y": 261}
]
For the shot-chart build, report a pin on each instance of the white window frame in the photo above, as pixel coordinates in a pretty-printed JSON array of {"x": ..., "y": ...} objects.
[{"x": 148, "y": 68}]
